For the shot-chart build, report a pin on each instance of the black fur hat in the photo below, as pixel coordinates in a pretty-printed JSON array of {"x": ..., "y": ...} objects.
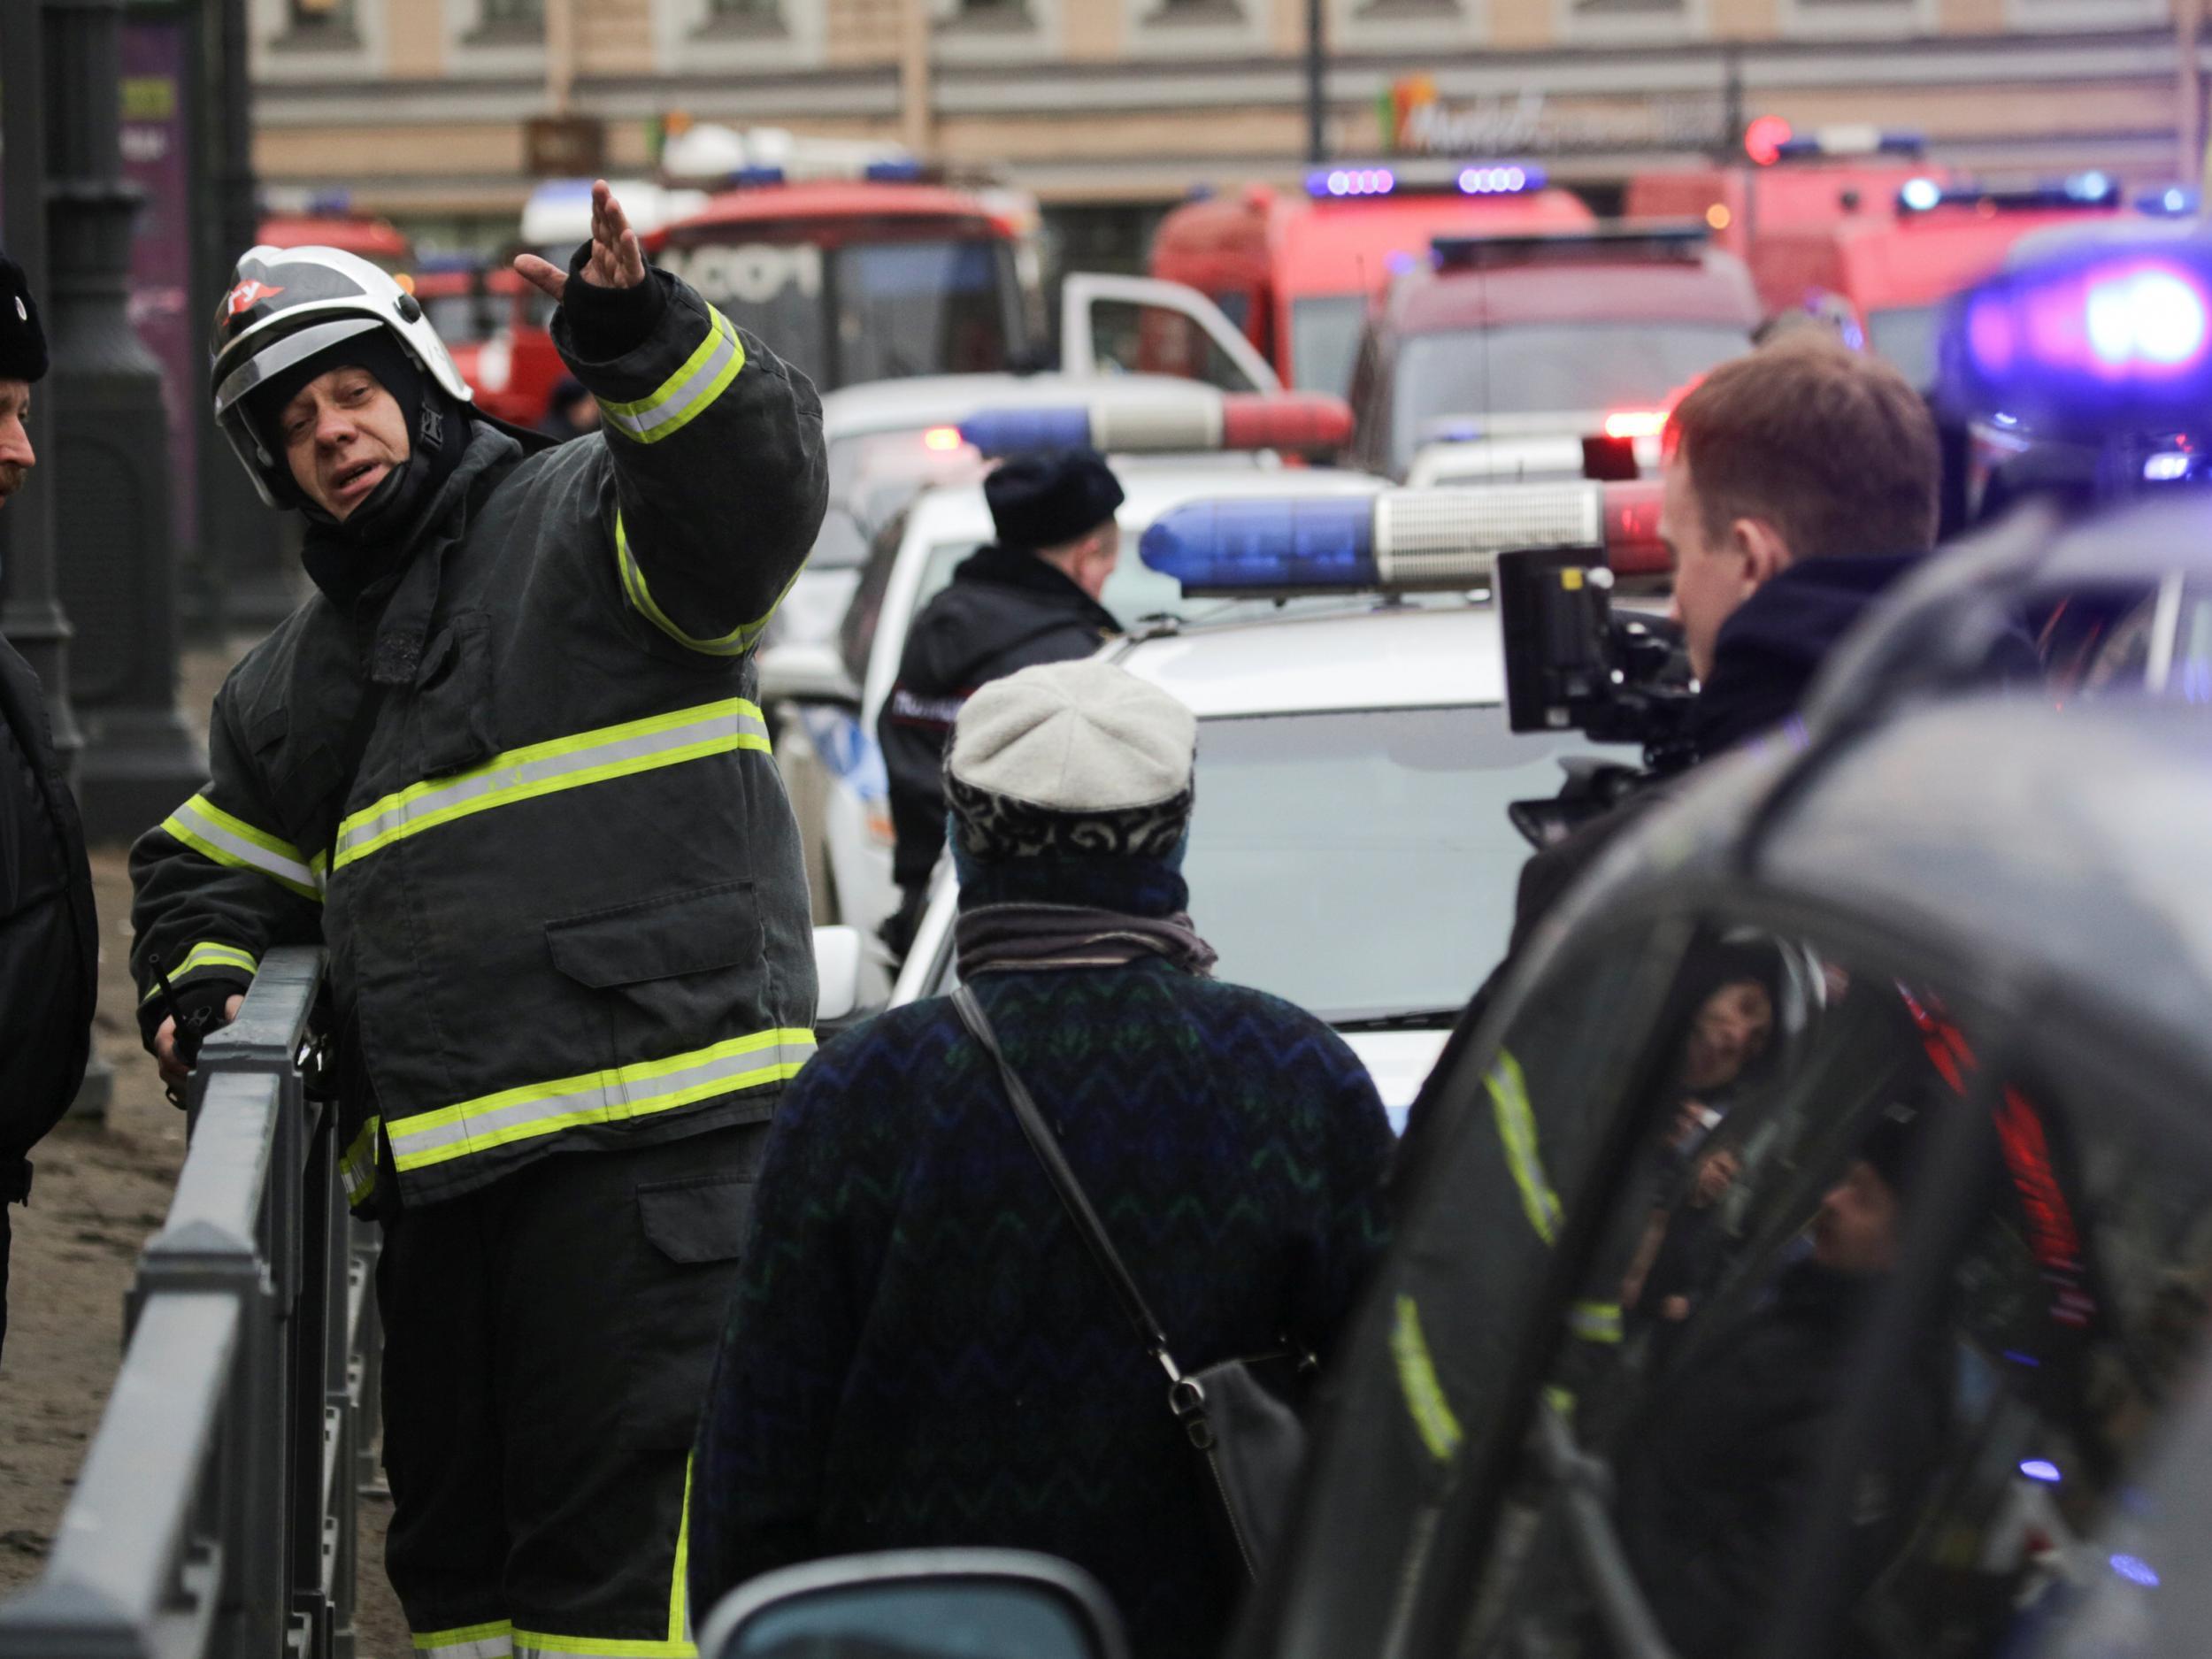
[{"x": 22, "y": 342}]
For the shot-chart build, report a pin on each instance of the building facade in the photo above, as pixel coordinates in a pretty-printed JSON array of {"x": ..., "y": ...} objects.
[{"x": 1109, "y": 110}]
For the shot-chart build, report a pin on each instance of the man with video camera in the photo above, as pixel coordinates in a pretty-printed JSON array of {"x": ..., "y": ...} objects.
[{"x": 1801, "y": 482}]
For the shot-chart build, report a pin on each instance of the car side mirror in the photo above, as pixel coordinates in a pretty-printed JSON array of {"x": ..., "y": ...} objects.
[
  {"x": 851, "y": 977},
  {"x": 917, "y": 1604},
  {"x": 806, "y": 671}
]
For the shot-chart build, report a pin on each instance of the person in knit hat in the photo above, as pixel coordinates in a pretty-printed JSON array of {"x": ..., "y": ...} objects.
[
  {"x": 920, "y": 1352},
  {"x": 49, "y": 940}
]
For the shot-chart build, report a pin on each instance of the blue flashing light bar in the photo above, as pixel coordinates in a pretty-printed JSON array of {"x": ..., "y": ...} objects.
[
  {"x": 1656, "y": 242},
  {"x": 1021, "y": 431},
  {"x": 1429, "y": 176},
  {"x": 2174, "y": 202},
  {"x": 1320, "y": 544},
  {"x": 2040, "y": 1469},
  {"x": 898, "y": 170},
  {"x": 746, "y": 177},
  {"x": 1342, "y": 181},
  {"x": 2088, "y": 342},
  {"x": 1920, "y": 194},
  {"x": 2083, "y": 190},
  {"x": 1851, "y": 142}
]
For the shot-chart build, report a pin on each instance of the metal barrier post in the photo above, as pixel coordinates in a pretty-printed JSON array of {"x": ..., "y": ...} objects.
[{"x": 214, "y": 1511}]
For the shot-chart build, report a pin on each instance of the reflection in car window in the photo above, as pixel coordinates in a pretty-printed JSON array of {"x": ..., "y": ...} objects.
[
  {"x": 856, "y": 633},
  {"x": 1377, "y": 1565}
]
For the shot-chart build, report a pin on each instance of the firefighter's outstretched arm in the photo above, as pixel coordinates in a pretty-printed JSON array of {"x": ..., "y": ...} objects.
[
  {"x": 719, "y": 477},
  {"x": 215, "y": 887}
]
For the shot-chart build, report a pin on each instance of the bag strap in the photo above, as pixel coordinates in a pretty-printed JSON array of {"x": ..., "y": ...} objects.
[{"x": 1088, "y": 1227}]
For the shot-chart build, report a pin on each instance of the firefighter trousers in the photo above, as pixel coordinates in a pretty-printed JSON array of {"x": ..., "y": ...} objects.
[{"x": 547, "y": 1343}]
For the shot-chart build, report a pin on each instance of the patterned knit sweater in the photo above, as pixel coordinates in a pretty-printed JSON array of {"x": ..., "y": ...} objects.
[{"x": 920, "y": 1351}]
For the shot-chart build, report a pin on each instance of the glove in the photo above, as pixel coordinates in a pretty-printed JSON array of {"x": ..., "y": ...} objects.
[{"x": 198, "y": 1011}]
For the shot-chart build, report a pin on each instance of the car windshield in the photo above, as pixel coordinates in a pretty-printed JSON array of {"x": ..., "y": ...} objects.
[
  {"x": 1133, "y": 592},
  {"x": 1324, "y": 341},
  {"x": 1906, "y": 335},
  {"x": 1361, "y": 865},
  {"x": 1539, "y": 368},
  {"x": 946, "y": 306}
]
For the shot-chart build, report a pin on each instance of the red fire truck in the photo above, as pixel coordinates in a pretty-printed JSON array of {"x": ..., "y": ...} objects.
[{"x": 1296, "y": 273}]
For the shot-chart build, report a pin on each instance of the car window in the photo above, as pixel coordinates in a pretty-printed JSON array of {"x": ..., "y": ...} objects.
[
  {"x": 1737, "y": 1253},
  {"x": 856, "y": 633},
  {"x": 1325, "y": 336},
  {"x": 1420, "y": 1387}
]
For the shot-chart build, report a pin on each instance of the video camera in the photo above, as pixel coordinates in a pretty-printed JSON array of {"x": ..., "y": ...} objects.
[{"x": 1573, "y": 663}]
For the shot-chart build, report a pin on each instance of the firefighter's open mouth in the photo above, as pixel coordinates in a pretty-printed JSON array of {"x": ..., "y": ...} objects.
[{"x": 354, "y": 481}]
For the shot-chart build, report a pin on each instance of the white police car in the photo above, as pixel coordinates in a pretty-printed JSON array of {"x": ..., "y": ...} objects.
[
  {"x": 834, "y": 690},
  {"x": 1351, "y": 849}
]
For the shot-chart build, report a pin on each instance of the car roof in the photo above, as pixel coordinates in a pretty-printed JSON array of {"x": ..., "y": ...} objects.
[
  {"x": 1358, "y": 653},
  {"x": 932, "y": 400},
  {"x": 1150, "y": 487},
  {"x": 2069, "y": 849},
  {"x": 1713, "y": 288},
  {"x": 832, "y": 198}
]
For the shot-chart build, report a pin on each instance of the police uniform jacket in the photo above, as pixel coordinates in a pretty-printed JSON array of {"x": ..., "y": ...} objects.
[
  {"x": 562, "y": 887},
  {"x": 1004, "y": 609},
  {"x": 49, "y": 946}
]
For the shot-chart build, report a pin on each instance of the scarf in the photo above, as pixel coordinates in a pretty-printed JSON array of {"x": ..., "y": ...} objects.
[{"x": 1023, "y": 938}]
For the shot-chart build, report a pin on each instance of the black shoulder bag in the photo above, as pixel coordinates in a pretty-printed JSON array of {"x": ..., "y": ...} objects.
[{"x": 1241, "y": 1415}]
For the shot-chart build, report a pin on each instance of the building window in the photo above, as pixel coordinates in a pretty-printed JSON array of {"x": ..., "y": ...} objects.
[
  {"x": 503, "y": 22},
  {"x": 325, "y": 24},
  {"x": 725, "y": 19},
  {"x": 1197, "y": 11}
]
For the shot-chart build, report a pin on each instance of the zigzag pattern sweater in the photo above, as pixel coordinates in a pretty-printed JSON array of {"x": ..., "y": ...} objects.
[{"x": 920, "y": 1351}]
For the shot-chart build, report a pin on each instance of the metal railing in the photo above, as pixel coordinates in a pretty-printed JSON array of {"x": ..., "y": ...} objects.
[{"x": 215, "y": 1511}]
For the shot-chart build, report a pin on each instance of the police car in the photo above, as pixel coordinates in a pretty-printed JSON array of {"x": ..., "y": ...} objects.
[
  {"x": 1201, "y": 443},
  {"x": 1351, "y": 851},
  {"x": 1905, "y": 1354}
]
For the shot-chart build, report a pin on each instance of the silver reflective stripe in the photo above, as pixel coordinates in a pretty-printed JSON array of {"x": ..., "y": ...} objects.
[
  {"x": 207, "y": 829},
  {"x": 699, "y": 382},
  {"x": 475, "y": 1641},
  {"x": 565, "y": 763},
  {"x": 598, "y": 1097}
]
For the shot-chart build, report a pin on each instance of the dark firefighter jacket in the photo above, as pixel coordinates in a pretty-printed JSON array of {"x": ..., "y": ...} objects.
[
  {"x": 49, "y": 944},
  {"x": 1004, "y": 609},
  {"x": 562, "y": 892}
]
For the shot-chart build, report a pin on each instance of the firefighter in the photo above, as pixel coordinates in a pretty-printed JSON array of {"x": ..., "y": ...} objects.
[{"x": 506, "y": 765}]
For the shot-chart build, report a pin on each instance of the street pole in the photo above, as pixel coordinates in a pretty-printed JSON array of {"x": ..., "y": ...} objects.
[
  {"x": 32, "y": 616},
  {"x": 252, "y": 570},
  {"x": 111, "y": 443},
  {"x": 1317, "y": 82},
  {"x": 914, "y": 89}
]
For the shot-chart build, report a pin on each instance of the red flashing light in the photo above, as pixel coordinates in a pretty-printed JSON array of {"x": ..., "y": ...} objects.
[
  {"x": 1633, "y": 545},
  {"x": 944, "y": 440},
  {"x": 1285, "y": 420},
  {"x": 1764, "y": 138},
  {"x": 1636, "y": 423}
]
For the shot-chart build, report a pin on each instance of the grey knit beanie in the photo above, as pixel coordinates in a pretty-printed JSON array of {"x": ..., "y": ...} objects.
[{"x": 1070, "y": 758}]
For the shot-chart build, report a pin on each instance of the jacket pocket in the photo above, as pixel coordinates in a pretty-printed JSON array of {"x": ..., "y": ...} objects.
[
  {"x": 454, "y": 729},
  {"x": 693, "y": 1233},
  {"x": 659, "y": 938}
]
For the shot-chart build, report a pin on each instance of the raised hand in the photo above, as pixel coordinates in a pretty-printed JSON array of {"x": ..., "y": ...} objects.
[{"x": 617, "y": 260}]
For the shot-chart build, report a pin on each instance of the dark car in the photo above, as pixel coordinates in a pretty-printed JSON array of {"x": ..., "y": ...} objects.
[{"x": 1811, "y": 1252}]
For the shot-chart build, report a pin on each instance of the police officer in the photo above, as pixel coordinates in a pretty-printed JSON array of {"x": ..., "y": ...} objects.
[
  {"x": 507, "y": 766},
  {"x": 1033, "y": 597},
  {"x": 50, "y": 949}
]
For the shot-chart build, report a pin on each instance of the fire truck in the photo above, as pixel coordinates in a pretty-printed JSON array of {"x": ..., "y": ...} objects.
[{"x": 1297, "y": 272}]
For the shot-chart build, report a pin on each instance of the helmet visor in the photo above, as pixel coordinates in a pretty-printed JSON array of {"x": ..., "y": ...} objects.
[{"x": 284, "y": 352}]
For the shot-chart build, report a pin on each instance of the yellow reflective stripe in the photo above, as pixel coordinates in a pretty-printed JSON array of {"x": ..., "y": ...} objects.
[
  {"x": 207, "y": 953},
  {"x": 598, "y": 1097},
  {"x": 1596, "y": 1321},
  {"x": 736, "y": 642},
  {"x": 470, "y": 1641},
  {"x": 679, "y": 1611},
  {"x": 1517, "y": 1128},
  {"x": 1432, "y": 1413},
  {"x": 546, "y": 768},
  {"x": 214, "y": 834},
  {"x": 357, "y": 1162},
  {"x": 687, "y": 394},
  {"x": 1561, "y": 1399}
]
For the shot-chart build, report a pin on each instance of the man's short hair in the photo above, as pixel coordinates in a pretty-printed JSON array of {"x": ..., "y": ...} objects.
[{"x": 1832, "y": 447}]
